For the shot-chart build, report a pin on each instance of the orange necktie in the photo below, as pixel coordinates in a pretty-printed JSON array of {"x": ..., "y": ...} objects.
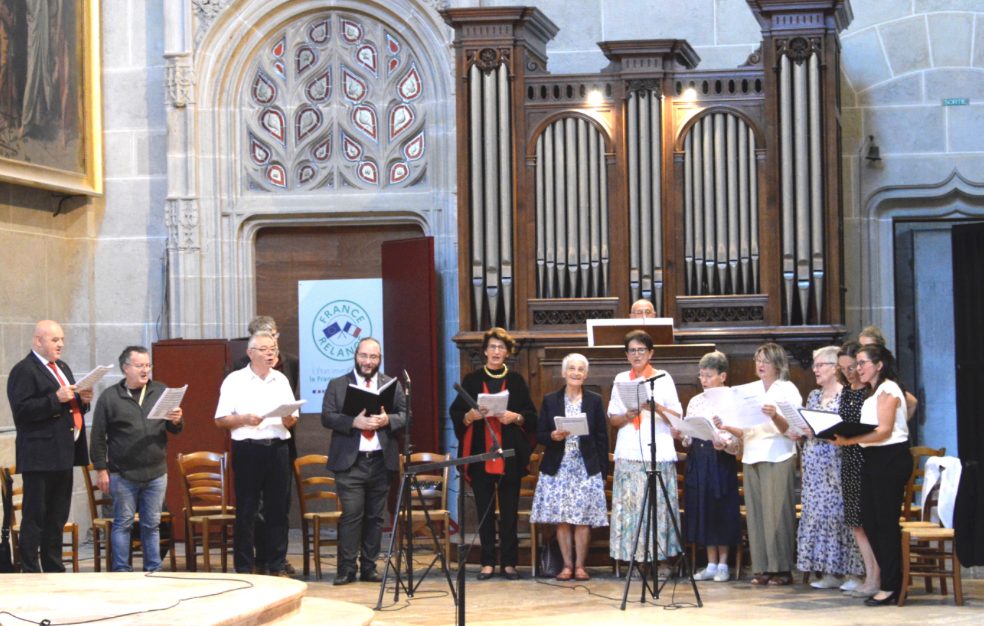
[
  {"x": 367, "y": 433},
  {"x": 76, "y": 411}
]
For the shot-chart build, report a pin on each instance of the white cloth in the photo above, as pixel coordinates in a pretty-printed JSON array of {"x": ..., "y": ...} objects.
[
  {"x": 244, "y": 392},
  {"x": 949, "y": 482},
  {"x": 869, "y": 414},
  {"x": 368, "y": 444},
  {"x": 632, "y": 444},
  {"x": 763, "y": 442}
]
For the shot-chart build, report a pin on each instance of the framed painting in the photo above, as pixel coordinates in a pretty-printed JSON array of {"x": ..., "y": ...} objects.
[{"x": 50, "y": 96}]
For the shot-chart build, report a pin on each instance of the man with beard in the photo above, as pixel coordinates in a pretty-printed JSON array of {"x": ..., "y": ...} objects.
[
  {"x": 259, "y": 453},
  {"x": 363, "y": 454}
]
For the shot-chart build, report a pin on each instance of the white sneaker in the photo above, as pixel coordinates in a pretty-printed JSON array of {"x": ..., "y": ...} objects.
[
  {"x": 708, "y": 573},
  {"x": 722, "y": 574},
  {"x": 850, "y": 584},
  {"x": 828, "y": 581}
]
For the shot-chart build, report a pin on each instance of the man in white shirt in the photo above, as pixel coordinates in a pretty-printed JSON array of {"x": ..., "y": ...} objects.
[
  {"x": 363, "y": 454},
  {"x": 259, "y": 453}
]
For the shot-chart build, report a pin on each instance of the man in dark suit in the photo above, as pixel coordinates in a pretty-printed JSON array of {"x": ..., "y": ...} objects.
[
  {"x": 50, "y": 441},
  {"x": 363, "y": 454}
]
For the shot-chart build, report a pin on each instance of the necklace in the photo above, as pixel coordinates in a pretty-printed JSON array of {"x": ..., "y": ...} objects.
[{"x": 505, "y": 370}]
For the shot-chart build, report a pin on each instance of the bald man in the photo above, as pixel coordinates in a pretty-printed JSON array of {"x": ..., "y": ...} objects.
[
  {"x": 642, "y": 309},
  {"x": 48, "y": 414}
]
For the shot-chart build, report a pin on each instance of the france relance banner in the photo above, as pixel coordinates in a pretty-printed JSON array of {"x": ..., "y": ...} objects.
[{"x": 332, "y": 316}]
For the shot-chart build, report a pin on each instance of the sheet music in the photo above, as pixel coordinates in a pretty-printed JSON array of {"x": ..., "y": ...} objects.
[
  {"x": 719, "y": 401},
  {"x": 89, "y": 380},
  {"x": 748, "y": 401},
  {"x": 577, "y": 425},
  {"x": 496, "y": 403},
  {"x": 795, "y": 420},
  {"x": 285, "y": 409},
  {"x": 697, "y": 428},
  {"x": 632, "y": 393},
  {"x": 169, "y": 400}
]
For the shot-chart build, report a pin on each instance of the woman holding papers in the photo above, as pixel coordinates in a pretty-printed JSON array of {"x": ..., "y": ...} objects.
[
  {"x": 769, "y": 466},
  {"x": 477, "y": 433},
  {"x": 712, "y": 476},
  {"x": 571, "y": 488},
  {"x": 887, "y": 465},
  {"x": 628, "y": 412},
  {"x": 825, "y": 543}
]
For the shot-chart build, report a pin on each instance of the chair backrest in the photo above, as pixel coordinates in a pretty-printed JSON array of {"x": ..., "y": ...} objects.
[
  {"x": 96, "y": 500},
  {"x": 913, "y": 488},
  {"x": 205, "y": 476},
  {"x": 312, "y": 486},
  {"x": 16, "y": 494},
  {"x": 433, "y": 483}
]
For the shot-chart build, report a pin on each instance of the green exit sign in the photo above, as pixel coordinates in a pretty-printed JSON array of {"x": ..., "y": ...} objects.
[{"x": 956, "y": 102}]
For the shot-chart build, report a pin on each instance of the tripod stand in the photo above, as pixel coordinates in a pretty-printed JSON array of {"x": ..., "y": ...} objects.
[
  {"x": 404, "y": 517},
  {"x": 648, "y": 520}
]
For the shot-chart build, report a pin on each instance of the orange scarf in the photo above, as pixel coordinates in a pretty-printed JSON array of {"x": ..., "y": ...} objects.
[{"x": 649, "y": 372}]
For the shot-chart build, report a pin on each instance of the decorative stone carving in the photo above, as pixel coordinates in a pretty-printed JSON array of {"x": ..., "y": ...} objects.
[
  {"x": 207, "y": 11},
  {"x": 798, "y": 49},
  {"x": 488, "y": 59},
  {"x": 180, "y": 81},
  {"x": 755, "y": 58},
  {"x": 652, "y": 85},
  {"x": 181, "y": 219},
  {"x": 703, "y": 315}
]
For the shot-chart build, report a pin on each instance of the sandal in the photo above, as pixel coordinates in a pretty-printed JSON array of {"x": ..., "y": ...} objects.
[
  {"x": 565, "y": 574},
  {"x": 581, "y": 574},
  {"x": 782, "y": 579},
  {"x": 760, "y": 579}
]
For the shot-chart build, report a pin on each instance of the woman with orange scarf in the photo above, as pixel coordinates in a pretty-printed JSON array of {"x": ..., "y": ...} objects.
[
  {"x": 632, "y": 457},
  {"x": 511, "y": 427}
]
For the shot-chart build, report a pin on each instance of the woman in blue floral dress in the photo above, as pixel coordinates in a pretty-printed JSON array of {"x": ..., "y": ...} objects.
[
  {"x": 825, "y": 543},
  {"x": 570, "y": 491}
]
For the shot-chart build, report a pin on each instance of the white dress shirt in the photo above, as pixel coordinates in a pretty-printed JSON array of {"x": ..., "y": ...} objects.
[
  {"x": 869, "y": 414},
  {"x": 244, "y": 392},
  {"x": 763, "y": 442},
  {"x": 366, "y": 444}
]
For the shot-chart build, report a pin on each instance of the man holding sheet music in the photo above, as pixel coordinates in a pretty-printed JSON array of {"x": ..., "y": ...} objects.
[
  {"x": 129, "y": 454},
  {"x": 362, "y": 454},
  {"x": 248, "y": 406},
  {"x": 47, "y": 409}
]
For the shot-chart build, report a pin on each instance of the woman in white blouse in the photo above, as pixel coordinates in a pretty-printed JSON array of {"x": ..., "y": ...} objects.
[
  {"x": 632, "y": 457},
  {"x": 769, "y": 466},
  {"x": 887, "y": 465}
]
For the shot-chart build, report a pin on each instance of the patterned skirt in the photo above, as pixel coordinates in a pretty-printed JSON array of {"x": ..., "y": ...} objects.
[
  {"x": 570, "y": 496},
  {"x": 628, "y": 491}
]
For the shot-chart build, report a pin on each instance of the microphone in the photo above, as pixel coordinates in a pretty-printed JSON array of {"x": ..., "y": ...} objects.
[
  {"x": 473, "y": 403},
  {"x": 406, "y": 378},
  {"x": 653, "y": 378}
]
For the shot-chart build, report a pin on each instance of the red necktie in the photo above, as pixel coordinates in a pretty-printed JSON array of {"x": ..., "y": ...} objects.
[
  {"x": 367, "y": 433},
  {"x": 76, "y": 411}
]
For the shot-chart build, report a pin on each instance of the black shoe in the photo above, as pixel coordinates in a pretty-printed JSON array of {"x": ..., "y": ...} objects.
[
  {"x": 371, "y": 577},
  {"x": 289, "y": 568},
  {"x": 890, "y": 599},
  {"x": 513, "y": 575},
  {"x": 344, "y": 579},
  {"x": 486, "y": 575}
]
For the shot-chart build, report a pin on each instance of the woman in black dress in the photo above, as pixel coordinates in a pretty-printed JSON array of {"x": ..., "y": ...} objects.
[
  {"x": 852, "y": 462},
  {"x": 511, "y": 428}
]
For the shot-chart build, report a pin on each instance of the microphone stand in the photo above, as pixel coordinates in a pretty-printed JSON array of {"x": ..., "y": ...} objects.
[{"x": 649, "y": 519}]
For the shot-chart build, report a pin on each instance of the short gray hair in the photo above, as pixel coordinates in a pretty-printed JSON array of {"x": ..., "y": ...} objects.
[
  {"x": 714, "y": 361},
  {"x": 574, "y": 356},
  {"x": 262, "y": 323},
  {"x": 260, "y": 335},
  {"x": 827, "y": 353}
]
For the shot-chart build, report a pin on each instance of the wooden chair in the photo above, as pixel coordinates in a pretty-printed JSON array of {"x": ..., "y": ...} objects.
[
  {"x": 527, "y": 487},
  {"x": 315, "y": 489},
  {"x": 102, "y": 527},
  {"x": 927, "y": 549},
  {"x": 208, "y": 514},
  {"x": 435, "y": 489},
  {"x": 913, "y": 488},
  {"x": 70, "y": 548}
]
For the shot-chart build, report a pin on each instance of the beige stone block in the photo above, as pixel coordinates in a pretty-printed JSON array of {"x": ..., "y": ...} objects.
[
  {"x": 151, "y": 154},
  {"x": 906, "y": 129},
  {"x": 965, "y": 126},
  {"x": 979, "y": 41},
  {"x": 630, "y": 19},
  {"x": 7, "y": 437},
  {"x": 120, "y": 158},
  {"x": 25, "y": 275},
  {"x": 116, "y": 33},
  {"x": 724, "y": 57},
  {"x": 928, "y": 6},
  {"x": 16, "y": 342},
  {"x": 906, "y": 44},
  {"x": 863, "y": 60},
  {"x": 851, "y": 135},
  {"x": 906, "y": 89},
  {"x": 576, "y": 61},
  {"x": 870, "y": 12},
  {"x": 133, "y": 98},
  {"x": 954, "y": 83},
  {"x": 134, "y": 208},
  {"x": 950, "y": 37},
  {"x": 129, "y": 282}
]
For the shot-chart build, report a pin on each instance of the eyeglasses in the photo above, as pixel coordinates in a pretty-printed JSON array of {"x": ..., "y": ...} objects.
[
  {"x": 848, "y": 368},
  {"x": 367, "y": 357},
  {"x": 146, "y": 366},
  {"x": 496, "y": 348},
  {"x": 817, "y": 366},
  {"x": 761, "y": 361},
  {"x": 636, "y": 351},
  {"x": 266, "y": 350},
  {"x": 861, "y": 362}
]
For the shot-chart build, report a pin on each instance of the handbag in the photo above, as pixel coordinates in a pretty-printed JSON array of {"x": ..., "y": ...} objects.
[
  {"x": 549, "y": 560},
  {"x": 6, "y": 560}
]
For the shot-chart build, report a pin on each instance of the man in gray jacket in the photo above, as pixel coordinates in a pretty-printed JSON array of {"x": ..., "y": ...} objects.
[{"x": 135, "y": 469}]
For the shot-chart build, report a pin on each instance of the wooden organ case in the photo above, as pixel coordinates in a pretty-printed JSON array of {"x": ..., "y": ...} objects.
[{"x": 716, "y": 194}]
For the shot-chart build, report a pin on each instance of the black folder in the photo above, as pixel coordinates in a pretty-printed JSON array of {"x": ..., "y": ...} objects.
[
  {"x": 831, "y": 424},
  {"x": 359, "y": 398}
]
